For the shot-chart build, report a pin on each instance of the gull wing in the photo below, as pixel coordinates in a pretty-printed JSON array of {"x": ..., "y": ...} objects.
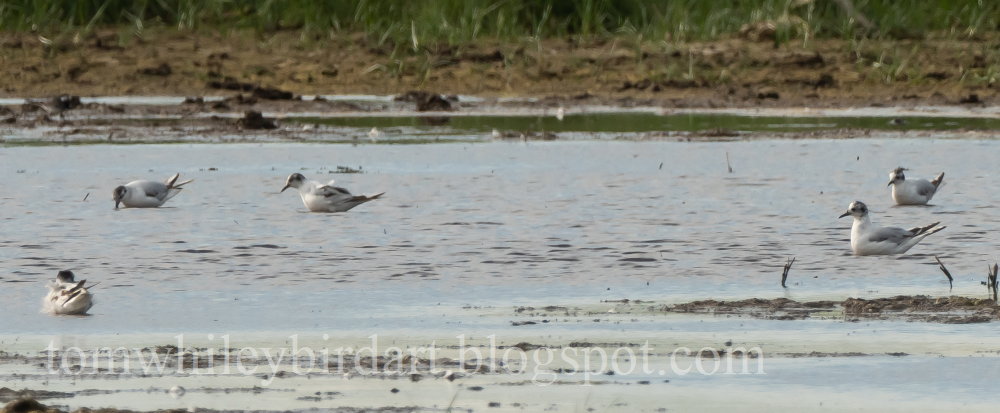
[
  {"x": 328, "y": 191},
  {"x": 152, "y": 189},
  {"x": 924, "y": 187},
  {"x": 893, "y": 235}
]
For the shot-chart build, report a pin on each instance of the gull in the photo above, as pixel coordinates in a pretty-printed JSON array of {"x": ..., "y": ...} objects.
[
  {"x": 560, "y": 113},
  {"x": 66, "y": 296},
  {"x": 868, "y": 239},
  {"x": 374, "y": 134},
  {"x": 325, "y": 198},
  {"x": 912, "y": 191},
  {"x": 147, "y": 194}
]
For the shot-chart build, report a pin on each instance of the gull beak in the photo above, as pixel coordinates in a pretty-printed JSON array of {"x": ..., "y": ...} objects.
[
  {"x": 890, "y": 183},
  {"x": 844, "y": 214},
  {"x": 283, "y": 189}
]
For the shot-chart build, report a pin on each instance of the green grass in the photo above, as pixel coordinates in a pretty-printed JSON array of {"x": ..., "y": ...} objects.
[{"x": 428, "y": 23}]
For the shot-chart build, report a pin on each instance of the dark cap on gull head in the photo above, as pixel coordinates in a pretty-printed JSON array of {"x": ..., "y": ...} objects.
[
  {"x": 294, "y": 180},
  {"x": 118, "y": 195},
  {"x": 896, "y": 175},
  {"x": 66, "y": 276},
  {"x": 856, "y": 207}
]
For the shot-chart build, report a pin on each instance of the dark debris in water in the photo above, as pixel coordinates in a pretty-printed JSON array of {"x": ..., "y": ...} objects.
[
  {"x": 950, "y": 310},
  {"x": 255, "y": 120},
  {"x": 246, "y": 247},
  {"x": 7, "y": 394}
]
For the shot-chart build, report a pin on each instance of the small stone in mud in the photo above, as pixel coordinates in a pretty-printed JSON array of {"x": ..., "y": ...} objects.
[
  {"x": 426, "y": 101},
  {"x": 768, "y": 93},
  {"x": 476, "y": 388},
  {"x": 394, "y": 390},
  {"x": 194, "y": 100},
  {"x": 162, "y": 70},
  {"x": 971, "y": 99},
  {"x": 415, "y": 377},
  {"x": 494, "y": 404},
  {"x": 825, "y": 80},
  {"x": 255, "y": 120},
  {"x": 65, "y": 102},
  {"x": 271, "y": 93},
  {"x": 229, "y": 83}
]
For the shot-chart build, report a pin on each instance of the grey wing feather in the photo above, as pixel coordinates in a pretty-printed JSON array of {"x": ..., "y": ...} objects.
[
  {"x": 892, "y": 234},
  {"x": 329, "y": 191},
  {"x": 152, "y": 189},
  {"x": 925, "y": 187}
]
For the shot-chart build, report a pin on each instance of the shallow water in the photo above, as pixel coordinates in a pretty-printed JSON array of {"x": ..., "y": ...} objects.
[
  {"x": 468, "y": 231},
  {"x": 484, "y": 224}
]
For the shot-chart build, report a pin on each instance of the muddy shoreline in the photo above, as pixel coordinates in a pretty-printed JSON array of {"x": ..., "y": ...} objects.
[
  {"x": 733, "y": 73},
  {"x": 242, "y": 118}
]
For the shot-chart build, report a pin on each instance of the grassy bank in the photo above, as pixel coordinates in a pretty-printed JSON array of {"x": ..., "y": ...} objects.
[
  {"x": 425, "y": 22},
  {"x": 682, "y": 52}
]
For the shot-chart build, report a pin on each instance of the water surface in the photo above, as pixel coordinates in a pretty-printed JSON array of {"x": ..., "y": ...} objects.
[{"x": 497, "y": 223}]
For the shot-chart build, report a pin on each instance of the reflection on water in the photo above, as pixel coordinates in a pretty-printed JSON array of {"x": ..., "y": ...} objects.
[
  {"x": 632, "y": 122},
  {"x": 491, "y": 224}
]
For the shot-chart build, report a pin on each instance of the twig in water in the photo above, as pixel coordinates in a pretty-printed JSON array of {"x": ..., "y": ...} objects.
[
  {"x": 661, "y": 165},
  {"x": 452, "y": 403},
  {"x": 727, "y": 163},
  {"x": 85, "y": 196},
  {"x": 946, "y": 273},
  {"x": 991, "y": 281},
  {"x": 784, "y": 274}
]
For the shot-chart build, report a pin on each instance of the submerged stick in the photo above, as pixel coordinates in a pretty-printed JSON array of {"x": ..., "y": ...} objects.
[
  {"x": 946, "y": 273},
  {"x": 991, "y": 281},
  {"x": 784, "y": 274},
  {"x": 727, "y": 163}
]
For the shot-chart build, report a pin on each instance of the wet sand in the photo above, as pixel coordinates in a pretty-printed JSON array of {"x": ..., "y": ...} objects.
[{"x": 573, "y": 358}]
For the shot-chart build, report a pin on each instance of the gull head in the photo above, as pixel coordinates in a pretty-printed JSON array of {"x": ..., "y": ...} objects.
[
  {"x": 66, "y": 276},
  {"x": 119, "y": 195},
  {"x": 294, "y": 180},
  {"x": 896, "y": 176},
  {"x": 857, "y": 209}
]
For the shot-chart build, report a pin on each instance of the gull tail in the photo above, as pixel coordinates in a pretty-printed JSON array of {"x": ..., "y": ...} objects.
[
  {"x": 928, "y": 230},
  {"x": 939, "y": 180},
  {"x": 919, "y": 233},
  {"x": 933, "y": 231},
  {"x": 172, "y": 181},
  {"x": 366, "y": 198}
]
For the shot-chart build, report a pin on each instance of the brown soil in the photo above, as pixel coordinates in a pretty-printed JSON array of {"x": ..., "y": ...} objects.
[
  {"x": 952, "y": 310},
  {"x": 731, "y": 72},
  {"x": 29, "y": 405}
]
